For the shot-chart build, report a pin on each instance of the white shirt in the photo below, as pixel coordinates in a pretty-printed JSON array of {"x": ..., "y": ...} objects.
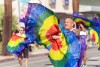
[
  {"x": 83, "y": 32},
  {"x": 22, "y": 35}
]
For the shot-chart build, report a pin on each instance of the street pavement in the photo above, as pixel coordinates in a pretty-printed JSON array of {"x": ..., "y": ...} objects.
[
  {"x": 93, "y": 57},
  {"x": 42, "y": 60}
]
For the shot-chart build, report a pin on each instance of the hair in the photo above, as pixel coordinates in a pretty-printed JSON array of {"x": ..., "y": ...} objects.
[
  {"x": 78, "y": 24},
  {"x": 23, "y": 28},
  {"x": 16, "y": 31}
]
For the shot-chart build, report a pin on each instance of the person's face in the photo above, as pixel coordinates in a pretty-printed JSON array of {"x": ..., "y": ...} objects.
[
  {"x": 68, "y": 23},
  {"x": 21, "y": 31}
]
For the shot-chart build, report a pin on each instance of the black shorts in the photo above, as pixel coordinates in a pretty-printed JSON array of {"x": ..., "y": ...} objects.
[{"x": 24, "y": 53}]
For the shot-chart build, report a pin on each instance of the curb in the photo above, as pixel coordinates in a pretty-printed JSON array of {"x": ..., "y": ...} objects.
[{"x": 13, "y": 58}]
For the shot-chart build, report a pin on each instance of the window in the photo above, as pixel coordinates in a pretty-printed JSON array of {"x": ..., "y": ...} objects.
[
  {"x": 53, "y": 1},
  {"x": 66, "y": 2}
]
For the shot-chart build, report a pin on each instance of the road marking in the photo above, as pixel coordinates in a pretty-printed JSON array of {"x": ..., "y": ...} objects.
[
  {"x": 98, "y": 58},
  {"x": 92, "y": 52}
]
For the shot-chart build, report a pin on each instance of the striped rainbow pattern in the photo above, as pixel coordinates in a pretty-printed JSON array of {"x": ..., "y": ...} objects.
[
  {"x": 15, "y": 45},
  {"x": 94, "y": 24},
  {"x": 94, "y": 35},
  {"x": 47, "y": 26}
]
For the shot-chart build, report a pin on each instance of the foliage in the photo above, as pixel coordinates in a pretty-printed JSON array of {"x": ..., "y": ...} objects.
[{"x": 14, "y": 19}]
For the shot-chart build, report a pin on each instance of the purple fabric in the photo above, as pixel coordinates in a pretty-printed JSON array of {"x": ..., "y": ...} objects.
[{"x": 82, "y": 39}]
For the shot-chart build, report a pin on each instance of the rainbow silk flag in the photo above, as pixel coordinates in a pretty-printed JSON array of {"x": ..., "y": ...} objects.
[
  {"x": 94, "y": 26},
  {"x": 84, "y": 21},
  {"x": 94, "y": 35},
  {"x": 87, "y": 23},
  {"x": 15, "y": 45},
  {"x": 46, "y": 25}
]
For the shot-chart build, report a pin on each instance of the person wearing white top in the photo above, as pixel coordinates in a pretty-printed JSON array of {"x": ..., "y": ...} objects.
[
  {"x": 24, "y": 53},
  {"x": 82, "y": 38}
]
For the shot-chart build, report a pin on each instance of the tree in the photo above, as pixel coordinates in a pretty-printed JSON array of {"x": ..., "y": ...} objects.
[
  {"x": 75, "y": 6},
  {"x": 1, "y": 16},
  {"x": 7, "y": 25},
  {"x": 14, "y": 19}
]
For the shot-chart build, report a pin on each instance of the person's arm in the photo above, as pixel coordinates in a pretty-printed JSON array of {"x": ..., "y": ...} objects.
[
  {"x": 77, "y": 32},
  {"x": 83, "y": 28}
]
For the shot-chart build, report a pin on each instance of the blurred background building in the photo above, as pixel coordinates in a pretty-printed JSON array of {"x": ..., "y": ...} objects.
[{"x": 62, "y": 8}]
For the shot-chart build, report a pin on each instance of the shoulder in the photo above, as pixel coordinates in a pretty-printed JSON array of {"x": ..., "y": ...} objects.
[
  {"x": 23, "y": 35},
  {"x": 76, "y": 31}
]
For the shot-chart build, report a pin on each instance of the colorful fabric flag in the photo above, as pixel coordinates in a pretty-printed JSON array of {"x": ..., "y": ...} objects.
[
  {"x": 85, "y": 21},
  {"x": 94, "y": 35},
  {"x": 94, "y": 24},
  {"x": 45, "y": 26},
  {"x": 16, "y": 44}
]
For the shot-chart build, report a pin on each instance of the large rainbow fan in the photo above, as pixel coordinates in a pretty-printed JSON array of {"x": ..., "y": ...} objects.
[
  {"x": 94, "y": 24},
  {"x": 46, "y": 25},
  {"x": 87, "y": 23},
  {"x": 94, "y": 35}
]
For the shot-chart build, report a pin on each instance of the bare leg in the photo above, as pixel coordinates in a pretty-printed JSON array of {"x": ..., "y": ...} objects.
[
  {"x": 20, "y": 61},
  {"x": 84, "y": 59},
  {"x": 26, "y": 62}
]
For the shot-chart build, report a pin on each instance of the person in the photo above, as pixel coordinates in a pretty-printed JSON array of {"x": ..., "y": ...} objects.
[
  {"x": 74, "y": 46},
  {"x": 24, "y": 53},
  {"x": 82, "y": 38}
]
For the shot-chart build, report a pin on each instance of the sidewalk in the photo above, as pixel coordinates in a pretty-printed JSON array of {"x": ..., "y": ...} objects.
[{"x": 36, "y": 52}]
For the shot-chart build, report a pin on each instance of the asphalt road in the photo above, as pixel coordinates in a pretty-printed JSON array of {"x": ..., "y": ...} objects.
[{"x": 93, "y": 60}]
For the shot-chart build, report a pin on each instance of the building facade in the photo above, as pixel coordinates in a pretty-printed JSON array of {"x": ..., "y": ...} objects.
[{"x": 64, "y": 8}]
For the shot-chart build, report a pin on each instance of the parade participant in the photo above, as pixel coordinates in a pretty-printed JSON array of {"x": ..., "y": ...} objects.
[
  {"x": 82, "y": 39},
  {"x": 24, "y": 53},
  {"x": 74, "y": 46}
]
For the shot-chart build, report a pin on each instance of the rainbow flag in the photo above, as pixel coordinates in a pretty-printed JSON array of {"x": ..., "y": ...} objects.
[
  {"x": 46, "y": 25},
  {"x": 94, "y": 26},
  {"x": 94, "y": 35},
  {"x": 87, "y": 23},
  {"x": 16, "y": 44},
  {"x": 84, "y": 21}
]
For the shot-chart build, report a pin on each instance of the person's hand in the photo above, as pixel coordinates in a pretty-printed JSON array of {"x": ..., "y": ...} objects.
[
  {"x": 55, "y": 37},
  {"x": 81, "y": 26}
]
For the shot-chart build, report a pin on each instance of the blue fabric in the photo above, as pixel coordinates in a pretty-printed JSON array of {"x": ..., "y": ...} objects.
[
  {"x": 72, "y": 63},
  {"x": 74, "y": 48}
]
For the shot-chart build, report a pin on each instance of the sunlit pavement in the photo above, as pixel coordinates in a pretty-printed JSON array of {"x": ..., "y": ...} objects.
[{"x": 93, "y": 60}]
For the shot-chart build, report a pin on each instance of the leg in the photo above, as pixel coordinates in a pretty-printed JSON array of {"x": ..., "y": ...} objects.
[
  {"x": 25, "y": 53},
  {"x": 26, "y": 62},
  {"x": 20, "y": 58},
  {"x": 20, "y": 61},
  {"x": 84, "y": 59}
]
